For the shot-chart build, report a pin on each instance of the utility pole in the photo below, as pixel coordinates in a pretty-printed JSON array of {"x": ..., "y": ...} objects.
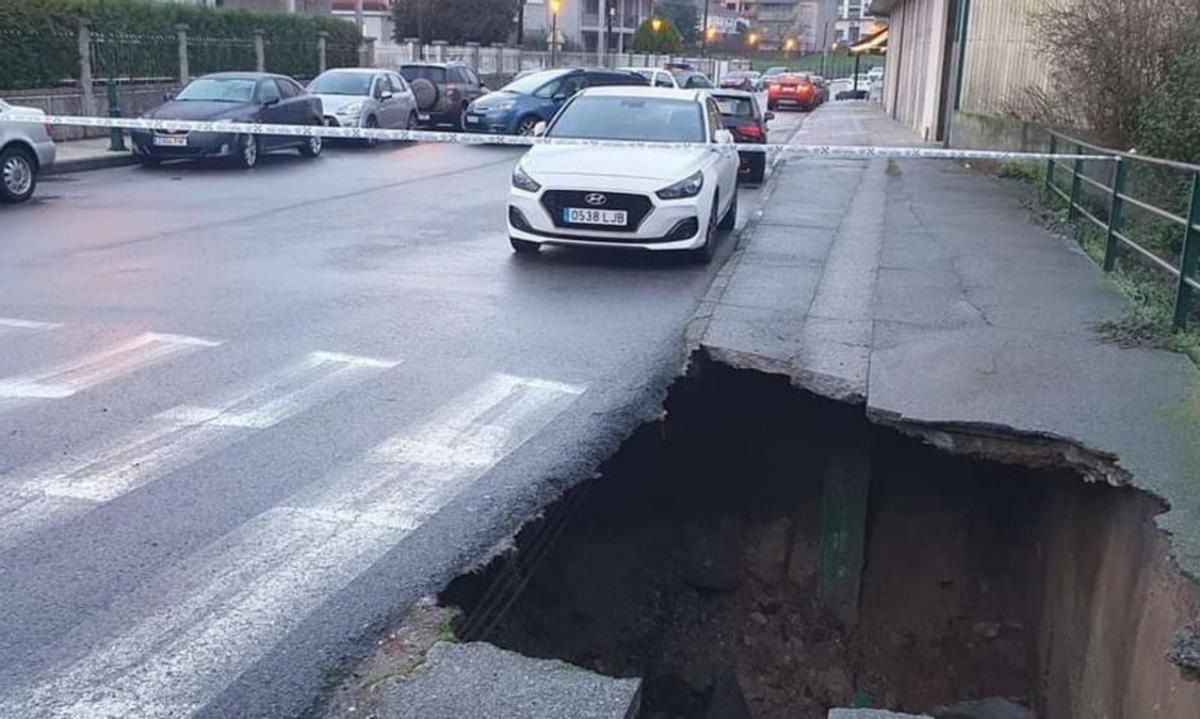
[
  {"x": 704, "y": 31},
  {"x": 358, "y": 14},
  {"x": 601, "y": 36}
]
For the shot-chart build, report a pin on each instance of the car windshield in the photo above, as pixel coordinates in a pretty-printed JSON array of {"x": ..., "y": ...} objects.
[
  {"x": 218, "y": 89},
  {"x": 436, "y": 75},
  {"x": 776, "y": 71},
  {"x": 630, "y": 118},
  {"x": 342, "y": 83},
  {"x": 528, "y": 84},
  {"x": 735, "y": 106}
]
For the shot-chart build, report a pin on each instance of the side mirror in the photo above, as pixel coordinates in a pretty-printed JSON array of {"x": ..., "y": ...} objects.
[
  {"x": 169, "y": 95},
  {"x": 768, "y": 116},
  {"x": 539, "y": 129},
  {"x": 385, "y": 95},
  {"x": 724, "y": 137}
]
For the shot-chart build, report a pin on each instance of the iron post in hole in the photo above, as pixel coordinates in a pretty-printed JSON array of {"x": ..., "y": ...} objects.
[{"x": 116, "y": 137}]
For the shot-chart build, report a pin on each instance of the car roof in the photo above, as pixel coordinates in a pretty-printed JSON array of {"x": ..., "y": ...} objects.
[
  {"x": 357, "y": 70},
  {"x": 664, "y": 93},
  {"x": 243, "y": 76},
  {"x": 433, "y": 64}
]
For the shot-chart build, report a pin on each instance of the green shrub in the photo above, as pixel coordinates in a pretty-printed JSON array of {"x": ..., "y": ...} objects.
[
  {"x": 136, "y": 38},
  {"x": 666, "y": 41},
  {"x": 1169, "y": 120}
]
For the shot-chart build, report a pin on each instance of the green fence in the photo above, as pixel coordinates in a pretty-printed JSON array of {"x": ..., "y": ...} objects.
[{"x": 1146, "y": 210}]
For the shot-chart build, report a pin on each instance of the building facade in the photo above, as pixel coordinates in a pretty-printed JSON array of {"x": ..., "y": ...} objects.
[
  {"x": 854, "y": 21},
  {"x": 582, "y": 24}
]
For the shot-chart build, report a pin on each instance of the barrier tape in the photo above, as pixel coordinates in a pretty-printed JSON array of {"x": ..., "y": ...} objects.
[{"x": 473, "y": 138}]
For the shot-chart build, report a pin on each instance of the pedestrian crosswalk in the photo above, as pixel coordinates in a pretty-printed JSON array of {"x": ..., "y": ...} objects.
[{"x": 214, "y": 613}]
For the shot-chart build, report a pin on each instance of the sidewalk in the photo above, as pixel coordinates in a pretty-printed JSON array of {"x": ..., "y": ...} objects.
[
  {"x": 90, "y": 154},
  {"x": 923, "y": 292}
]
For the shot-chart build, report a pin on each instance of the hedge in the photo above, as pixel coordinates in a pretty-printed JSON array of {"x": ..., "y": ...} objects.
[{"x": 38, "y": 40}]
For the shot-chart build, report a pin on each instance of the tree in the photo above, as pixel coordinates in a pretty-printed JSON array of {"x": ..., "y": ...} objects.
[
  {"x": 1169, "y": 119},
  {"x": 683, "y": 15},
  {"x": 664, "y": 41},
  {"x": 456, "y": 21},
  {"x": 1106, "y": 57}
]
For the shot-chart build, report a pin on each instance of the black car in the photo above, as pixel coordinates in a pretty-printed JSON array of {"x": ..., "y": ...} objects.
[
  {"x": 443, "y": 91},
  {"x": 231, "y": 97},
  {"x": 690, "y": 79},
  {"x": 742, "y": 116}
]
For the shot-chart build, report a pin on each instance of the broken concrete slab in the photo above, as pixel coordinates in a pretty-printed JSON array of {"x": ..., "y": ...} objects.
[{"x": 477, "y": 681}]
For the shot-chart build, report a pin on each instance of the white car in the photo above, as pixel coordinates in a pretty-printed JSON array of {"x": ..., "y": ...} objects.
[
  {"x": 657, "y": 76},
  {"x": 25, "y": 150},
  {"x": 657, "y": 199}
]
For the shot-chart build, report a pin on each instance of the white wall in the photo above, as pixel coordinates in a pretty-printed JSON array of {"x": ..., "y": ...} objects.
[{"x": 916, "y": 47}]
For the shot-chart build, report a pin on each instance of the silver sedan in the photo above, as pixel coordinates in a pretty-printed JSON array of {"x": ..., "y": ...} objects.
[
  {"x": 365, "y": 97},
  {"x": 25, "y": 150}
]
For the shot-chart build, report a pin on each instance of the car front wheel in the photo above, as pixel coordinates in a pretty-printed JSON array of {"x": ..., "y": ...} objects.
[
  {"x": 18, "y": 175},
  {"x": 312, "y": 147},
  {"x": 247, "y": 151},
  {"x": 729, "y": 221},
  {"x": 708, "y": 250}
]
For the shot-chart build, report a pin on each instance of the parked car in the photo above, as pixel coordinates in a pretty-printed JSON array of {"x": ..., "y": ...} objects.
[
  {"x": 231, "y": 97},
  {"x": 742, "y": 116},
  {"x": 443, "y": 91},
  {"x": 658, "y": 199},
  {"x": 774, "y": 72},
  {"x": 361, "y": 97},
  {"x": 876, "y": 73},
  {"x": 691, "y": 80},
  {"x": 25, "y": 151},
  {"x": 757, "y": 78},
  {"x": 822, "y": 86},
  {"x": 519, "y": 106},
  {"x": 656, "y": 76},
  {"x": 792, "y": 90},
  {"x": 738, "y": 80}
]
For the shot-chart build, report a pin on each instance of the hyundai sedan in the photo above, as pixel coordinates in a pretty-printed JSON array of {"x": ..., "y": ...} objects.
[{"x": 657, "y": 199}]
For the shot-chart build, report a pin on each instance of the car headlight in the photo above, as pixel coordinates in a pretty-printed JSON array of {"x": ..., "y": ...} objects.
[
  {"x": 352, "y": 109},
  {"x": 522, "y": 181},
  {"x": 502, "y": 106},
  {"x": 689, "y": 187}
]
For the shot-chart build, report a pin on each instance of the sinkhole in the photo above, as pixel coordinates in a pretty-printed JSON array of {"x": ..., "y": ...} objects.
[{"x": 763, "y": 552}]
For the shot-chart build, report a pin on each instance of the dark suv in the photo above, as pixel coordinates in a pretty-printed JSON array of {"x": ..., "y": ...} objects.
[{"x": 443, "y": 90}]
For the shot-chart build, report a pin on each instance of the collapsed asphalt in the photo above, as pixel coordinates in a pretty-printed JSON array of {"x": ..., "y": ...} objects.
[{"x": 395, "y": 255}]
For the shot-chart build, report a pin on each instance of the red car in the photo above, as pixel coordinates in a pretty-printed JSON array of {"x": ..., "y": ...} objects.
[{"x": 794, "y": 90}]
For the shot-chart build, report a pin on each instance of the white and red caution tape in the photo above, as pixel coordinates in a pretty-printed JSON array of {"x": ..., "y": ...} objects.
[{"x": 473, "y": 138}]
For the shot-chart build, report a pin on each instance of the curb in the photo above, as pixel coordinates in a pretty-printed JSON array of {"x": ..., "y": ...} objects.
[{"x": 98, "y": 162}]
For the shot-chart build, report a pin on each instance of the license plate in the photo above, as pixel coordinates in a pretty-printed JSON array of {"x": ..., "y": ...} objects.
[
  {"x": 170, "y": 141},
  {"x": 585, "y": 216},
  {"x": 789, "y": 89},
  {"x": 472, "y": 120},
  {"x": 423, "y": 117}
]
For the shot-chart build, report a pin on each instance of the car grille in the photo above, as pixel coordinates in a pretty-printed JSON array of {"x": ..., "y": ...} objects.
[
  {"x": 638, "y": 206},
  {"x": 172, "y": 133}
]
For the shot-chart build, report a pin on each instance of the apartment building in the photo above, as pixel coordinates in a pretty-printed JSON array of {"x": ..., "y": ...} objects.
[{"x": 582, "y": 23}]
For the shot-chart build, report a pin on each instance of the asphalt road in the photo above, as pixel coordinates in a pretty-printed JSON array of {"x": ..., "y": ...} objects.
[{"x": 246, "y": 418}]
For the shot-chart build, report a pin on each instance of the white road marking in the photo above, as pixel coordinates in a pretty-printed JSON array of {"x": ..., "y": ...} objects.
[
  {"x": 14, "y": 323},
  {"x": 80, "y": 374},
  {"x": 57, "y": 490},
  {"x": 193, "y": 630}
]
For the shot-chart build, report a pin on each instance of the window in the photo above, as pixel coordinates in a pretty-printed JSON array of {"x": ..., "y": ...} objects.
[
  {"x": 736, "y": 106},
  {"x": 287, "y": 88},
  {"x": 608, "y": 117},
  {"x": 212, "y": 89},
  {"x": 458, "y": 76},
  {"x": 268, "y": 91},
  {"x": 435, "y": 75},
  {"x": 397, "y": 83},
  {"x": 662, "y": 79},
  {"x": 471, "y": 76},
  {"x": 341, "y": 83}
]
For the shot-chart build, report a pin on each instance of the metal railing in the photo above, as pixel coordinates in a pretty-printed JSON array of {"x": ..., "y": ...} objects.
[{"x": 1103, "y": 201}]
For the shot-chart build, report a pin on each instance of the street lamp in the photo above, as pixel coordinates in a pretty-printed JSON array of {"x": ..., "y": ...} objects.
[
  {"x": 788, "y": 45},
  {"x": 656, "y": 24},
  {"x": 706, "y": 37},
  {"x": 555, "y": 6}
]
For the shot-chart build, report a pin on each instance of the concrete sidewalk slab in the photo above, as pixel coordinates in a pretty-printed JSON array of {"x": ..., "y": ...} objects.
[
  {"x": 478, "y": 681},
  {"x": 89, "y": 154},
  {"x": 926, "y": 293}
]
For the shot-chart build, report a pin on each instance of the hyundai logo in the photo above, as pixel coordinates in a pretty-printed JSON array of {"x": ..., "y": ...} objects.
[{"x": 595, "y": 199}]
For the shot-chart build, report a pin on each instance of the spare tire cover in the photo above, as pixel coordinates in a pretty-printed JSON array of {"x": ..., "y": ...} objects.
[{"x": 425, "y": 92}]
